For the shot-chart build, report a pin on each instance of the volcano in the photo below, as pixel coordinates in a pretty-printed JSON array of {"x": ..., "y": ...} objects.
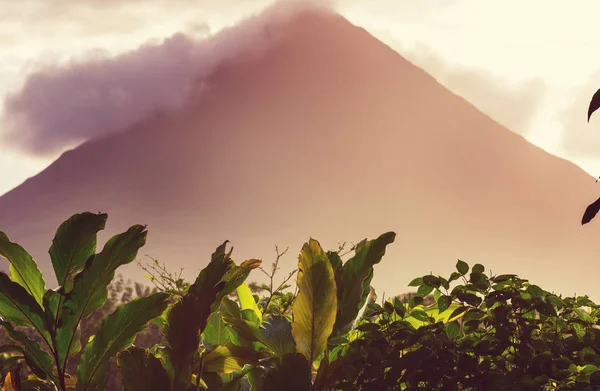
[{"x": 328, "y": 134}]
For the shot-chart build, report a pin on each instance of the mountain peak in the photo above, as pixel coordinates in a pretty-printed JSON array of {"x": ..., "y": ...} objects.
[{"x": 330, "y": 134}]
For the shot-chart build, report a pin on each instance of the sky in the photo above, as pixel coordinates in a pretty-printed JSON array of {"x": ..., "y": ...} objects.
[{"x": 70, "y": 70}]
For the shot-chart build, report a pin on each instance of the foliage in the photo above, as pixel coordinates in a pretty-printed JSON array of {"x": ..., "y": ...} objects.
[
  {"x": 56, "y": 315},
  {"x": 592, "y": 210},
  {"x": 468, "y": 331}
]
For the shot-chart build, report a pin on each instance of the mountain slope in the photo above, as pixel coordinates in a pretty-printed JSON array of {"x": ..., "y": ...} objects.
[{"x": 333, "y": 135}]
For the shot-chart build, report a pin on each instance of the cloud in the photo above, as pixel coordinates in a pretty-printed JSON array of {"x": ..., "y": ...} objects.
[
  {"x": 60, "y": 106},
  {"x": 513, "y": 105}
]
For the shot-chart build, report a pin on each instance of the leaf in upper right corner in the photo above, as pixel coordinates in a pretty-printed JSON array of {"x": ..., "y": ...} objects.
[
  {"x": 315, "y": 307},
  {"x": 590, "y": 212},
  {"x": 594, "y": 104}
]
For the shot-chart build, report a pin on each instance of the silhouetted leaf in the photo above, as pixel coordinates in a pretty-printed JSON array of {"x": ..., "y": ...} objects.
[
  {"x": 141, "y": 371},
  {"x": 594, "y": 104},
  {"x": 590, "y": 212}
]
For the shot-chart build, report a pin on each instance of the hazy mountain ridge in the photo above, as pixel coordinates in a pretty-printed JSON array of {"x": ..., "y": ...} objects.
[{"x": 333, "y": 121}]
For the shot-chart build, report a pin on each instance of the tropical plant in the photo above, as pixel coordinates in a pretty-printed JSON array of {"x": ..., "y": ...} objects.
[
  {"x": 592, "y": 210},
  {"x": 56, "y": 315},
  {"x": 182, "y": 364},
  {"x": 251, "y": 345}
]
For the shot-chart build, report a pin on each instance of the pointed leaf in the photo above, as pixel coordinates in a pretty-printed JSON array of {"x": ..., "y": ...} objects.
[
  {"x": 73, "y": 244},
  {"x": 141, "y": 371},
  {"x": 116, "y": 332},
  {"x": 188, "y": 317},
  {"x": 90, "y": 286},
  {"x": 357, "y": 270},
  {"x": 314, "y": 309},
  {"x": 594, "y": 104},
  {"x": 247, "y": 300},
  {"x": 591, "y": 212},
  {"x": 23, "y": 269}
]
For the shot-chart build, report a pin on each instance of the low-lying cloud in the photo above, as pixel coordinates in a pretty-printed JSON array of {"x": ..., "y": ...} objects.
[{"x": 61, "y": 106}]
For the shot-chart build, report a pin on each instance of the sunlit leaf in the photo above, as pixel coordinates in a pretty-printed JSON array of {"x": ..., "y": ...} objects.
[{"x": 315, "y": 306}]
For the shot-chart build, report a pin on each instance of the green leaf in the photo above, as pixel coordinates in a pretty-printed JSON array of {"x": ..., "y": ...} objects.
[
  {"x": 314, "y": 309},
  {"x": 230, "y": 358},
  {"x": 188, "y": 317},
  {"x": 462, "y": 267},
  {"x": 247, "y": 300},
  {"x": 416, "y": 282},
  {"x": 276, "y": 334},
  {"x": 453, "y": 329},
  {"x": 478, "y": 268},
  {"x": 216, "y": 331},
  {"x": 116, "y": 332},
  {"x": 358, "y": 269},
  {"x": 73, "y": 244},
  {"x": 19, "y": 307},
  {"x": 443, "y": 303},
  {"x": 141, "y": 371},
  {"x": 293, "y": 374},
  {"x": 424, "y": 290},
  {"x": 39, "y": 361},
  {"x": 23, "y": 269},
  {"x": 90, "y": 286}
]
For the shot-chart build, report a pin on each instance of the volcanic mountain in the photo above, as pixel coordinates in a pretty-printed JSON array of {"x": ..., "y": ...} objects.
[{"x": 329, "y": 134}]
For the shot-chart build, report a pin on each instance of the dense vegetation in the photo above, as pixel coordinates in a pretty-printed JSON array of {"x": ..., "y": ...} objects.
[{"x": 468, "y": 331}]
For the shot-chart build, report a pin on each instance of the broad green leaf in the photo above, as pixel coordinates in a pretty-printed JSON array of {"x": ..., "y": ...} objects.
[
  {"x": 216, "y": 331},
  {"x": 19, "y": 307},
  {"x": 73, "y": 244},
  {"x": 39, "y": 361},
  {"x": 141, "y": 371},
  {"x": 116, "y": 332},
  {"x": 314, "y": 309},
  {"x": 230, "y": 358},
  {"x": 90, "y": 286},
  {"x": 293, "y": 374},
  {"x": 276, "y": 334},
  {"x": 23, "y": 269},
  {"x": 358, "y": 269},
  {"x": 443, "y": 303},
  {"x": 188, "y": 317},
  {"x": 462, "y": 267},
  {"x": 247, "y": 300}
]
